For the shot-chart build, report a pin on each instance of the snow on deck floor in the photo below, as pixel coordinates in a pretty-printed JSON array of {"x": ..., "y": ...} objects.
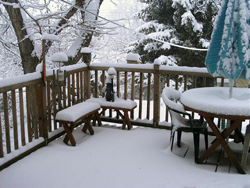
[{"x": 118, "y": 158}]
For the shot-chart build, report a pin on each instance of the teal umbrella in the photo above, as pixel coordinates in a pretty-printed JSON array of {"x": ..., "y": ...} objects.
[{"x": 229, "y": 51}]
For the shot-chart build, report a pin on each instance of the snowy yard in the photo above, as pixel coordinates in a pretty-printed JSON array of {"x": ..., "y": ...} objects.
[{"x": 115, "y": 158}]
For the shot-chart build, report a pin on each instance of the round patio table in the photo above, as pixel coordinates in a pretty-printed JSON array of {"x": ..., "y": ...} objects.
[{"x": 214, "y": 102}]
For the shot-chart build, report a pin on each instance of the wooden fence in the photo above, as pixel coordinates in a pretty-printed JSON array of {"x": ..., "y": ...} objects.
[{"x": 28, "y": 106}]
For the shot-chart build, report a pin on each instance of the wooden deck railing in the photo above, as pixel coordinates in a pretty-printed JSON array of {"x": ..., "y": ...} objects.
[
  {"x": 28, "y": 107},
  {"x": 145, "y": 82}
]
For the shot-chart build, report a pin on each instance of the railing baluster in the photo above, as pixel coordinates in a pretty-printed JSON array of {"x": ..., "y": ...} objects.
[
  {"x": 1, "y": 138},
  {"x": 22, "y": 116},
  {"x": 204, "y": 81},
  {"x": 157, "y": 95},
  {"x": 69, "y": 90},
  {"x": 132, "y": 97},
  {"x": 148, "y": 95},
  {"x": 54, "y": 86},
  {"x": 194, "y": 81},
  {"x": 118, "y": 83},
  {"x": 6, "y": 121},
  {"x": 73, "y": 89},
  {"x": 14, "y": 116},
  {"x": 28, "y": 96},
  {"x": 81, "y": 86},
  {"x": 49, "y": 105},
  {"x": 126, "y": 85},
  {"x": 103, "y": 82},
  {"x": 140, "y": 96},
  {"x": 64, "y": 95},
  {"x": 35, "y": 107},
  {"x": 176, "y": 82},
  {"x": 59, "y": 95},
  {"x": 87, "y": 84},
  {"x": 185, "y": 82},
  {"x": 168, "y": 80},
  {"x": 96, "y": 93},
  {"x": 222, "y": 82},
  {"x": 77, "y": 87},
  {"x": 133, "y": 86}
]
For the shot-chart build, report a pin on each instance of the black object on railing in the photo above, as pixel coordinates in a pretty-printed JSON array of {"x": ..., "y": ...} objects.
[{"x": 109, "y": 91}]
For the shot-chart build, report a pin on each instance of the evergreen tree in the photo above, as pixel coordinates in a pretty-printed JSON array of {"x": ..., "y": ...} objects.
[{"x": 188, "y": 23}]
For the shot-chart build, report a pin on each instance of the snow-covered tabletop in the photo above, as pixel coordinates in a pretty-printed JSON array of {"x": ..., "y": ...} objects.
[
  {"x": 216, "y": 100},
  {"x": 118, "y": 103}
]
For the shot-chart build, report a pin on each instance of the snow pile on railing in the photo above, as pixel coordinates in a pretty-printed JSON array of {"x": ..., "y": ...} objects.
[
  {"x": 35, "y": 75},
  {"x": 19, "y": 79}
]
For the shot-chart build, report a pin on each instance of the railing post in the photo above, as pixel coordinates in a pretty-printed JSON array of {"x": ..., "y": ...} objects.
[
  {"x": 157, "y": 87},
  {"x": 86, "y": 58}
]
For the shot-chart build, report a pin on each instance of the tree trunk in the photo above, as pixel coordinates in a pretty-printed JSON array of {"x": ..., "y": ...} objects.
[{"x": 26, "y": 47}]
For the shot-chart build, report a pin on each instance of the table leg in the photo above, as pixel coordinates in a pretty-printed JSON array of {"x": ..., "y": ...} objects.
[
  {"x": 221, "y": 141},
  {"x": 127, "y": 119},
  {"x": 123, "y": 118},
  {"x": 69, "y": 136}
]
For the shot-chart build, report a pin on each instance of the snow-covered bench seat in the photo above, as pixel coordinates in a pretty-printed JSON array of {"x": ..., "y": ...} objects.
[
  {"x": 118, "y": 105},
  {"x": 70, "y": 116}
]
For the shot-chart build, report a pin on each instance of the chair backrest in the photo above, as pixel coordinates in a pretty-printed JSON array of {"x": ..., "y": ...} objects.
[{"x": 171, "y": 97}]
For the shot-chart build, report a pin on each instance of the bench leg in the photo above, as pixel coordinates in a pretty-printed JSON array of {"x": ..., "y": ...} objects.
[
  {"x": 69, "y": 136},
  {"x": 88, "y": 126}
]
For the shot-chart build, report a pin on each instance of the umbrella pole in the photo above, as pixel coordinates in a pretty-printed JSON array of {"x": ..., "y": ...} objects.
[{"x": 231, "y": 83}]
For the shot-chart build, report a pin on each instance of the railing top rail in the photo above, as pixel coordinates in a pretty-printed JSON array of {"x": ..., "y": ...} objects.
[
  {"x": 149, "y": 68},
  {"x": 183, "y": 70},
  {"x": 16, "y": 82},
  {"x": 19, "y": 81},
  {"x": 123, "y": 67}
]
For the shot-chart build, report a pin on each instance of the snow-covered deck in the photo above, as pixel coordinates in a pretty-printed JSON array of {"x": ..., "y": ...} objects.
[
  {"x": 113, "y": 158},
  {"x": 150, "y": 112}
]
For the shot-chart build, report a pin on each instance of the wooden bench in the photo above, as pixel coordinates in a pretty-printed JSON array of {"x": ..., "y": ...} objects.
[
  {"x": 118, "y": 105},
  {"x": 70, "y": 116}
]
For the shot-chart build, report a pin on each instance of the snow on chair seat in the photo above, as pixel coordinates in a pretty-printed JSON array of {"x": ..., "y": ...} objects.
[{"x": 72, "y": 115}]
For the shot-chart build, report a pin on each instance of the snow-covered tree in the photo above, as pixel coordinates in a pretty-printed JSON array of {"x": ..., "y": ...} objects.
[
  {"x": 110, "y": 46},
  {"x": 188, "y": 23},
  {"x": 27, "y": 21}
]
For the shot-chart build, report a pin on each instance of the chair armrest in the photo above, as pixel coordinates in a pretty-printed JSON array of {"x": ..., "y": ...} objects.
[{"x": 184, "y": 114}]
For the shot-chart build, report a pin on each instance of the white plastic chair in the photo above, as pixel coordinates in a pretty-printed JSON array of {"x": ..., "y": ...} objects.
[{"x": 179, "y": 123}]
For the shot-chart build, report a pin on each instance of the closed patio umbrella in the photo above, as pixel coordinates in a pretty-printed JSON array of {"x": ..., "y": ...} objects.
[{"x": 229, "y": 51}]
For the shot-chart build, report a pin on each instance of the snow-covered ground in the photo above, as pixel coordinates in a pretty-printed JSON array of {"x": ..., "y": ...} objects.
[{"x": 112, "y": 158}]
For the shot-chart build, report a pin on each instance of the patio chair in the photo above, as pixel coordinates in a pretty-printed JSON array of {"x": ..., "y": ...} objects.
[{"x": 180, "y": 123}]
